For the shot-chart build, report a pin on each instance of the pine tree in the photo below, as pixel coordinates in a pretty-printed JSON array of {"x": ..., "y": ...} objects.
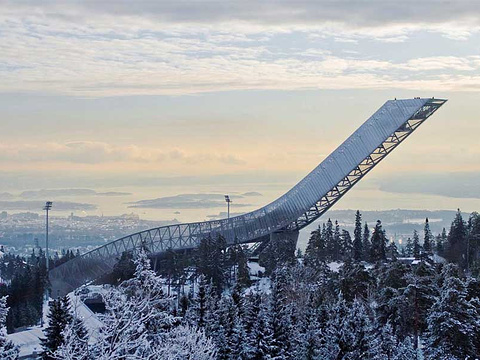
[
  {"x": 337, "y": 246},
  {"x": 243, "y": 274},
  {"x": 443, "y": 242},
  {"x": 211, "y": 259},
  {"x": 416, "y": 245},
  {"x": 473, "y": 243},
  {"x": 379, "y": 243},
  {"x": 439, "y": 245},
  {"x": 367, "y": 245},
  {"x": 346, "y": 245},
  {"x": 8, "y": 351},
  {"x": 405, "y": 350},
  {"x": 409, "y": 247},
  {"x": 329, "y": 240},
  {"x": 348, "y": 332},
  {"x": 453, "y": 324},
  {"x": 281, "y": 317},
  {"x": 136, "y": 317},
  {"x": 58, "y": 319},
  {"x": 357, "y": 238},
  {"x": 315, "y": 251},
  {"x": 427, "y": 239},
  {"x": 75, "y": 344},
  {"x": 392, "y": 251},
  {"x": 416, "y": 300},
  {"x": 456, "y": 241}
]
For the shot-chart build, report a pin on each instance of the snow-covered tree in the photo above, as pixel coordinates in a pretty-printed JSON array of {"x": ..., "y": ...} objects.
[
  {"x": 58, "y": 318},
  {"x": 348, "y": 334},
  {"x": 136, "y": 318},
  {"x": 185, "y": 343},
  {"x": 75, "y": 345},
  {"x": 453, "y": 324},
  {"x": 8, "y": 351}
]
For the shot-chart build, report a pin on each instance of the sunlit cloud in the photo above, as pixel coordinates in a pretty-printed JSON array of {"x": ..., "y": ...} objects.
[{"x": 91, "y": 152}]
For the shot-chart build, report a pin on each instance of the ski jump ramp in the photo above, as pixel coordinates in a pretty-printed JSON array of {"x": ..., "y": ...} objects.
[{"x": 304, "y": 203}]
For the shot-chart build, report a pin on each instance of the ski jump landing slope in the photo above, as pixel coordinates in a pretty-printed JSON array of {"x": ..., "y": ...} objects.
[{"x": 303, "y": 204}]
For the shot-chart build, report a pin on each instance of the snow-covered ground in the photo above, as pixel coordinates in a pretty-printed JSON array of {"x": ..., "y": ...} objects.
[{"x": 28, "y": 341}]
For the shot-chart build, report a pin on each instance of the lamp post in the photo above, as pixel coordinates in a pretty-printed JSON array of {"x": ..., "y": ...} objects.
[
  {"x": 47, "y": 207},
  {"x": 228, "y": 201}
]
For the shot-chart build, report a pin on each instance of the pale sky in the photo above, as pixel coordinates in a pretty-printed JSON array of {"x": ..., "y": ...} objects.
[{"x": 126, "y": 93}]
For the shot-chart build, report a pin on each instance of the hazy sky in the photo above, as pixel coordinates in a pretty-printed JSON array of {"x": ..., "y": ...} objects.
[{"x": 112, "y": 93}]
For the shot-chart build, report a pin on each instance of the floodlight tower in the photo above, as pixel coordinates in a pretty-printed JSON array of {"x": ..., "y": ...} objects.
[
  {"x": 47, "y": 207},
  {"x": 228, "y": 201}
]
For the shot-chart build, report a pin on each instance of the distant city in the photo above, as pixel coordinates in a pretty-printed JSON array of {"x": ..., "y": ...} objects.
[{"x": 21, "y": 232}]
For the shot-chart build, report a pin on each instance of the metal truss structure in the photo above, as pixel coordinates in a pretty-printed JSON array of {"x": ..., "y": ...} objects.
[{"x": 300, "y": 206}]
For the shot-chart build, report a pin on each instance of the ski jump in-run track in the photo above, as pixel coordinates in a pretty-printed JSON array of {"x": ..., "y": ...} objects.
[{"x": 282, "y": 218}]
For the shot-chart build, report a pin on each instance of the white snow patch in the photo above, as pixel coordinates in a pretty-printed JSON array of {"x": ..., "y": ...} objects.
[
  {"x": 28, "y": 341},
  {"x": 335, "y": 266},
  {"x": 263, "y": 286},
  {"x": 255, "y": 268}
]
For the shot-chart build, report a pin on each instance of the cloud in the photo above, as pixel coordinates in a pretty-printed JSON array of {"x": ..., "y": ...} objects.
[
  {"x": 354, "y": 12},
  {"x": 186, "y": 201},
  {"x": 92, "y": 152},
  {"x": 177, "y": 48}
]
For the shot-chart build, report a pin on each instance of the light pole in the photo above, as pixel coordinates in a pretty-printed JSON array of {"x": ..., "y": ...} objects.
[
  {"x": 47, "y": 207},
  {"x": 228, "y": 201}
]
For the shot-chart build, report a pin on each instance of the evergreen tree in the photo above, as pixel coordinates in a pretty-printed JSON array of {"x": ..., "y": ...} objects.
[
  {"x": 409, "y": 247},
  {"x": 367, "y": 245},
  {"x": 348, "y": 332},
  {"x": 416, "y": 245},
  {"x": 438, "y": 245},
  {"x": 473, "y": 243},
  {"x": 456, "y": 241},
  {"x": 329, "y": 240},
  {"x": 453, "y": 324},
  {"x": 124, "y": 269},
  {"x": 416, "y": 300},
  {"x": 58, "y": 319},
  {"x": 210, "y": 260},
  {"x": 346, "y": 245},
  {"x": 337, "y": 243},
  {"x": 392, "y": 251},
  {"x": 442, "y": 243},
  {"x": 75, "y": 344},
  {"x": 405, "y": 350},
  {"x": 427, "y": 239},
  {"x": 315, "y": 251},
  {"x": 8, "y": 351},
  {"x": 280, "y": 312},
  {"x": 357, "y": 238},
  {"x": 379, "y": 243},
  {"x": 243, "y": 274},
  {"x": 355, "y": 281},
  {"x": 137, "y": 316}
]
